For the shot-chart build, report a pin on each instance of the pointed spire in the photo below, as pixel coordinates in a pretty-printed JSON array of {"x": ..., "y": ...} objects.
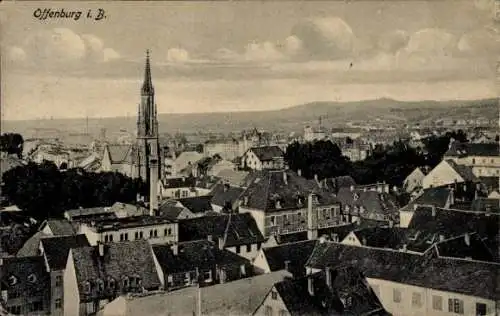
[{"x": 147, "y": 85}]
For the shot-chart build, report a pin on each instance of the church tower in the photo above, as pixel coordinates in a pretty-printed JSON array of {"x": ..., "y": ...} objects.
[{"x": 148, "y": 145}]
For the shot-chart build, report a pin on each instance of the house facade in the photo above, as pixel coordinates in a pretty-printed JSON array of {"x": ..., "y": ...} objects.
[
  {"x": 261, "y": 158},
  {"x": 482, "y": 158},
  {"x": 447, "y": 172}
]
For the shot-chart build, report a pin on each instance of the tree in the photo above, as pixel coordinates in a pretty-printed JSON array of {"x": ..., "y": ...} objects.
[
  {"x": 437, "y": 146},
  {"x": 12, "y": 143}
]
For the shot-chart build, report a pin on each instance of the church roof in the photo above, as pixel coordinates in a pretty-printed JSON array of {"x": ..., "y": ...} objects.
[
  {"x": 120, "y": 153},
  {"x": 147, "y": 85}
]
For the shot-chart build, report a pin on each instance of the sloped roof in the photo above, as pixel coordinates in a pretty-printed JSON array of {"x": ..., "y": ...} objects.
[
  {"x": 459, "y": 276},
  {"x": 464, "y": 171},
  {"x": 437, "y": 196},
  {"x": 32, "y": 245},
  {"x": 457, "y": 247},
  {"x": 266, "y": 187},
  {"x": 56, "y": 249},
  {"x": 197, "y": 204},
  {"x": 242, "y": 230},
  {"x": 381, "y": 237},
  {"x": 346, "y": 282},
  {"x": 376, "y": 205},
  {"x": 267, "y": 153},
  {"x": 85, "y": 212},
  {"x": 170, "y": 211},
  {"x": 61, "y": 227},
  {"x": 296, "y": 253},
  {"x": 120, "y": 153},
  {"x": 338, "y": 182},
  {"x": 234, "y": 177},
  {"x": 126, "y": 258},
  {"x": 31, "y": 276},
  {"x": 458, "y": 149},
  {"x": 195, "y": 254},
  {"x": 182, "y": 182},
  {"x": 240, "y": 297},
  {"x": 223, "y": 194},
  {"x": 186, "y": 157}
]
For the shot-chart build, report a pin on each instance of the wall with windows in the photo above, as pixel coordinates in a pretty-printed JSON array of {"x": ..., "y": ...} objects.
[
  {"x": 57, "y": 292},
  {"x": 442, "y": 174},
  {"x": 407, "y": 300},
  {"x": 249, "y": 251},
  {"x": 482, "y": 166},
  {"x": 71, "y": 304}
]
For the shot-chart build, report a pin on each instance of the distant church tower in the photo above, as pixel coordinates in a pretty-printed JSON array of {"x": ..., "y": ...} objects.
[{"x": 148, "y": 145}]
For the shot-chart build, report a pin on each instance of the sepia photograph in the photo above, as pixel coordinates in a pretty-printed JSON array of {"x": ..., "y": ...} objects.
[{"x": 250, "y": 158}]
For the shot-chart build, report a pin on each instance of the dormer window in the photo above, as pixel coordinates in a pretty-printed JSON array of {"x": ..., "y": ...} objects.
[
  {"x": 12, "y": 280},
  {"x": 356, "y": 197},
  {"x": 100, "y": 285},
  {"x": 32, "y": 278},
  {"x": 86, "y": 287},
  {"x": 111, "y": 284},
  {"x": 126, "y": 282}
]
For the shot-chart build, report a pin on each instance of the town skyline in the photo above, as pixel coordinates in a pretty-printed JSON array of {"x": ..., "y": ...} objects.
[{"x": 313, "y": 52}]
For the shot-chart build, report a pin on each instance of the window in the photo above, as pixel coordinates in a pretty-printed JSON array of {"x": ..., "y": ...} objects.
[
  {"x": 168, "y": 231},
  {"x": 126, "y": 236},
  {"x": 58, "y": 303},
  {"x": 437, "y": 303},
  {"x": 59, "y": 280},
  {"x": 237, "y": 249},
  {"x": 87, "y": 287},
  {"x": 473, "y": 161},
  {"x": 14, "y": 309},
  {"x": 125, "y": 282},
  {"x": 106, "y": 238},
  {"x": 416, "y": 299},
  {"x": 110, "y": 238},
  {"x": 480, "y": 309},
  {"x": 36, "y": 306},
  {"x": 274, "y": 295},
  {"x": 136, "y": 235},
  {"x": 249, "y": 247},
  {"x": 396, "y": 295},
  {"x": 155, "y": 233},
  {"x": 456, "y": 306},
  {"x": 151, "y": 234},
  {"x": 90, "y": 307},
  {"x": 268, "y": 311},
  {"x": 207, "y": 275}
]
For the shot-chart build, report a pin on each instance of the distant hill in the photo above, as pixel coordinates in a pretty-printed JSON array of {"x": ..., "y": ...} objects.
[{"x": 289, "y": 119}]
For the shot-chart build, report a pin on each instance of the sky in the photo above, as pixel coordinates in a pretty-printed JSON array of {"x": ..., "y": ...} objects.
[{"x": 242, "y": 56}]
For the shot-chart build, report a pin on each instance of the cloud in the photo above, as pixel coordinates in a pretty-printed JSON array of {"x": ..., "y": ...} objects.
[
  {"x": 484, "y": 41},
  {"x": 392, "y": 41},
  {"x": 262, "y": 52},
  {"x": 177, "y": 55},
  {"x": 62, "y": 46},
  {"x": 431, "y": 41},
  {"x": 16, "y": 54},
  {"x": 325, "y": 38}
]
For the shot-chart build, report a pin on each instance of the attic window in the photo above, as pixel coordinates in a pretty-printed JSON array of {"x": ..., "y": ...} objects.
[
  {"x": 32, "y": 278},
  {"x": 100, "y": 285},
  {"x": 86, "y": 287},
  {"x": 12, "y": 280},
  {"x": 111, "y": 284},
  {"x": 125, "y": 282}
]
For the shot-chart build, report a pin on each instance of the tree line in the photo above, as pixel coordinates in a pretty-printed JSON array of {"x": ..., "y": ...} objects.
[
  {"x": 12, "y": 143},
  {"x": 392, "y": 163},
  {"x": 43, "y": 191}
]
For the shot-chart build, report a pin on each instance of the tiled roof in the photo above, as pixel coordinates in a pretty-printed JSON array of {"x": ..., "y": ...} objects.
[
  {"x": 234, "y": 177},
  {"x": 464, "y": 171},
  {"x": 296, "y": 253},
  {"x": 170, "y": 211},
  {"x": 61, "y": 227},
  {"x": 458, "y": 149},
  {"x": 123, "y": 259},
  {"x": 185, "y": 158},
  {"x": 56, "y": 249},
  {"x": 437, "y": 196},
  {"x": 459, "y": 247},
  {"x": 197, "y": 204},
  {"x": 341, "y": 232},
  {"x": 25, "y": 275},
  {"x": 242, "y": 229},
  {"x": 183, "y": 182},
  {"x": 426, "y": 228},
  {"x": 241, "y": 297},
  {"x": 346, "y": 282},
  {"x": 224, "y": 194},
  {"x": 267, "y": 153},
  {"x": 338, "y": 182},
  {"x": 451, "y": 275},
  {"x": 32, "y": 245},
  {"x": 491, "y": 183},
  {"x": 486, "y": 205},
  {"x": 376, "y": 205},
  {"x": 195, "y": 254},
  {"x": 120, "y": 153},
  {"x": 85, "y": 212},
  {"x": 381, "y": 237},
  {"x": 102, "y": 225},
  {"x": 266, "y": 187}
]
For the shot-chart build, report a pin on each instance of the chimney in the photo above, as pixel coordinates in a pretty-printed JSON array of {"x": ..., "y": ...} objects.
[
  {"x": 245, "y": 200},
  {"x": 299, "y": 172},
  {"x": 175, "y": 249},
  {"x": 467, "y": 239},
  {"x": 278, "y": 204},
  {"x": 100, "y": 247},
  {"x": 441, "y": 238},
  {"x": 363, "y": 241},
  {"x": 452, "y": 197},
  {"x": 210, "y": 238},
  {"x": 391, "y": 223},
  {"x": 328, "y": 277},
  {"x": 226, "y": 187},
  {"x": 433, "y": 209},
  {"x": 404, "y": 249},
  {"x": 335, "y": 237},
  {"x": 153, "y": 187},
  {"x": 285, "y": 178},
  {"x": 316, "y": 178},
  {"x": 312, "y": 219},
  {"x": 352, "y": 188},
  {"x": 386, "y": 188},
  {"x": 310, "y": 286},
  {"x": 221, "y": 243}
]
